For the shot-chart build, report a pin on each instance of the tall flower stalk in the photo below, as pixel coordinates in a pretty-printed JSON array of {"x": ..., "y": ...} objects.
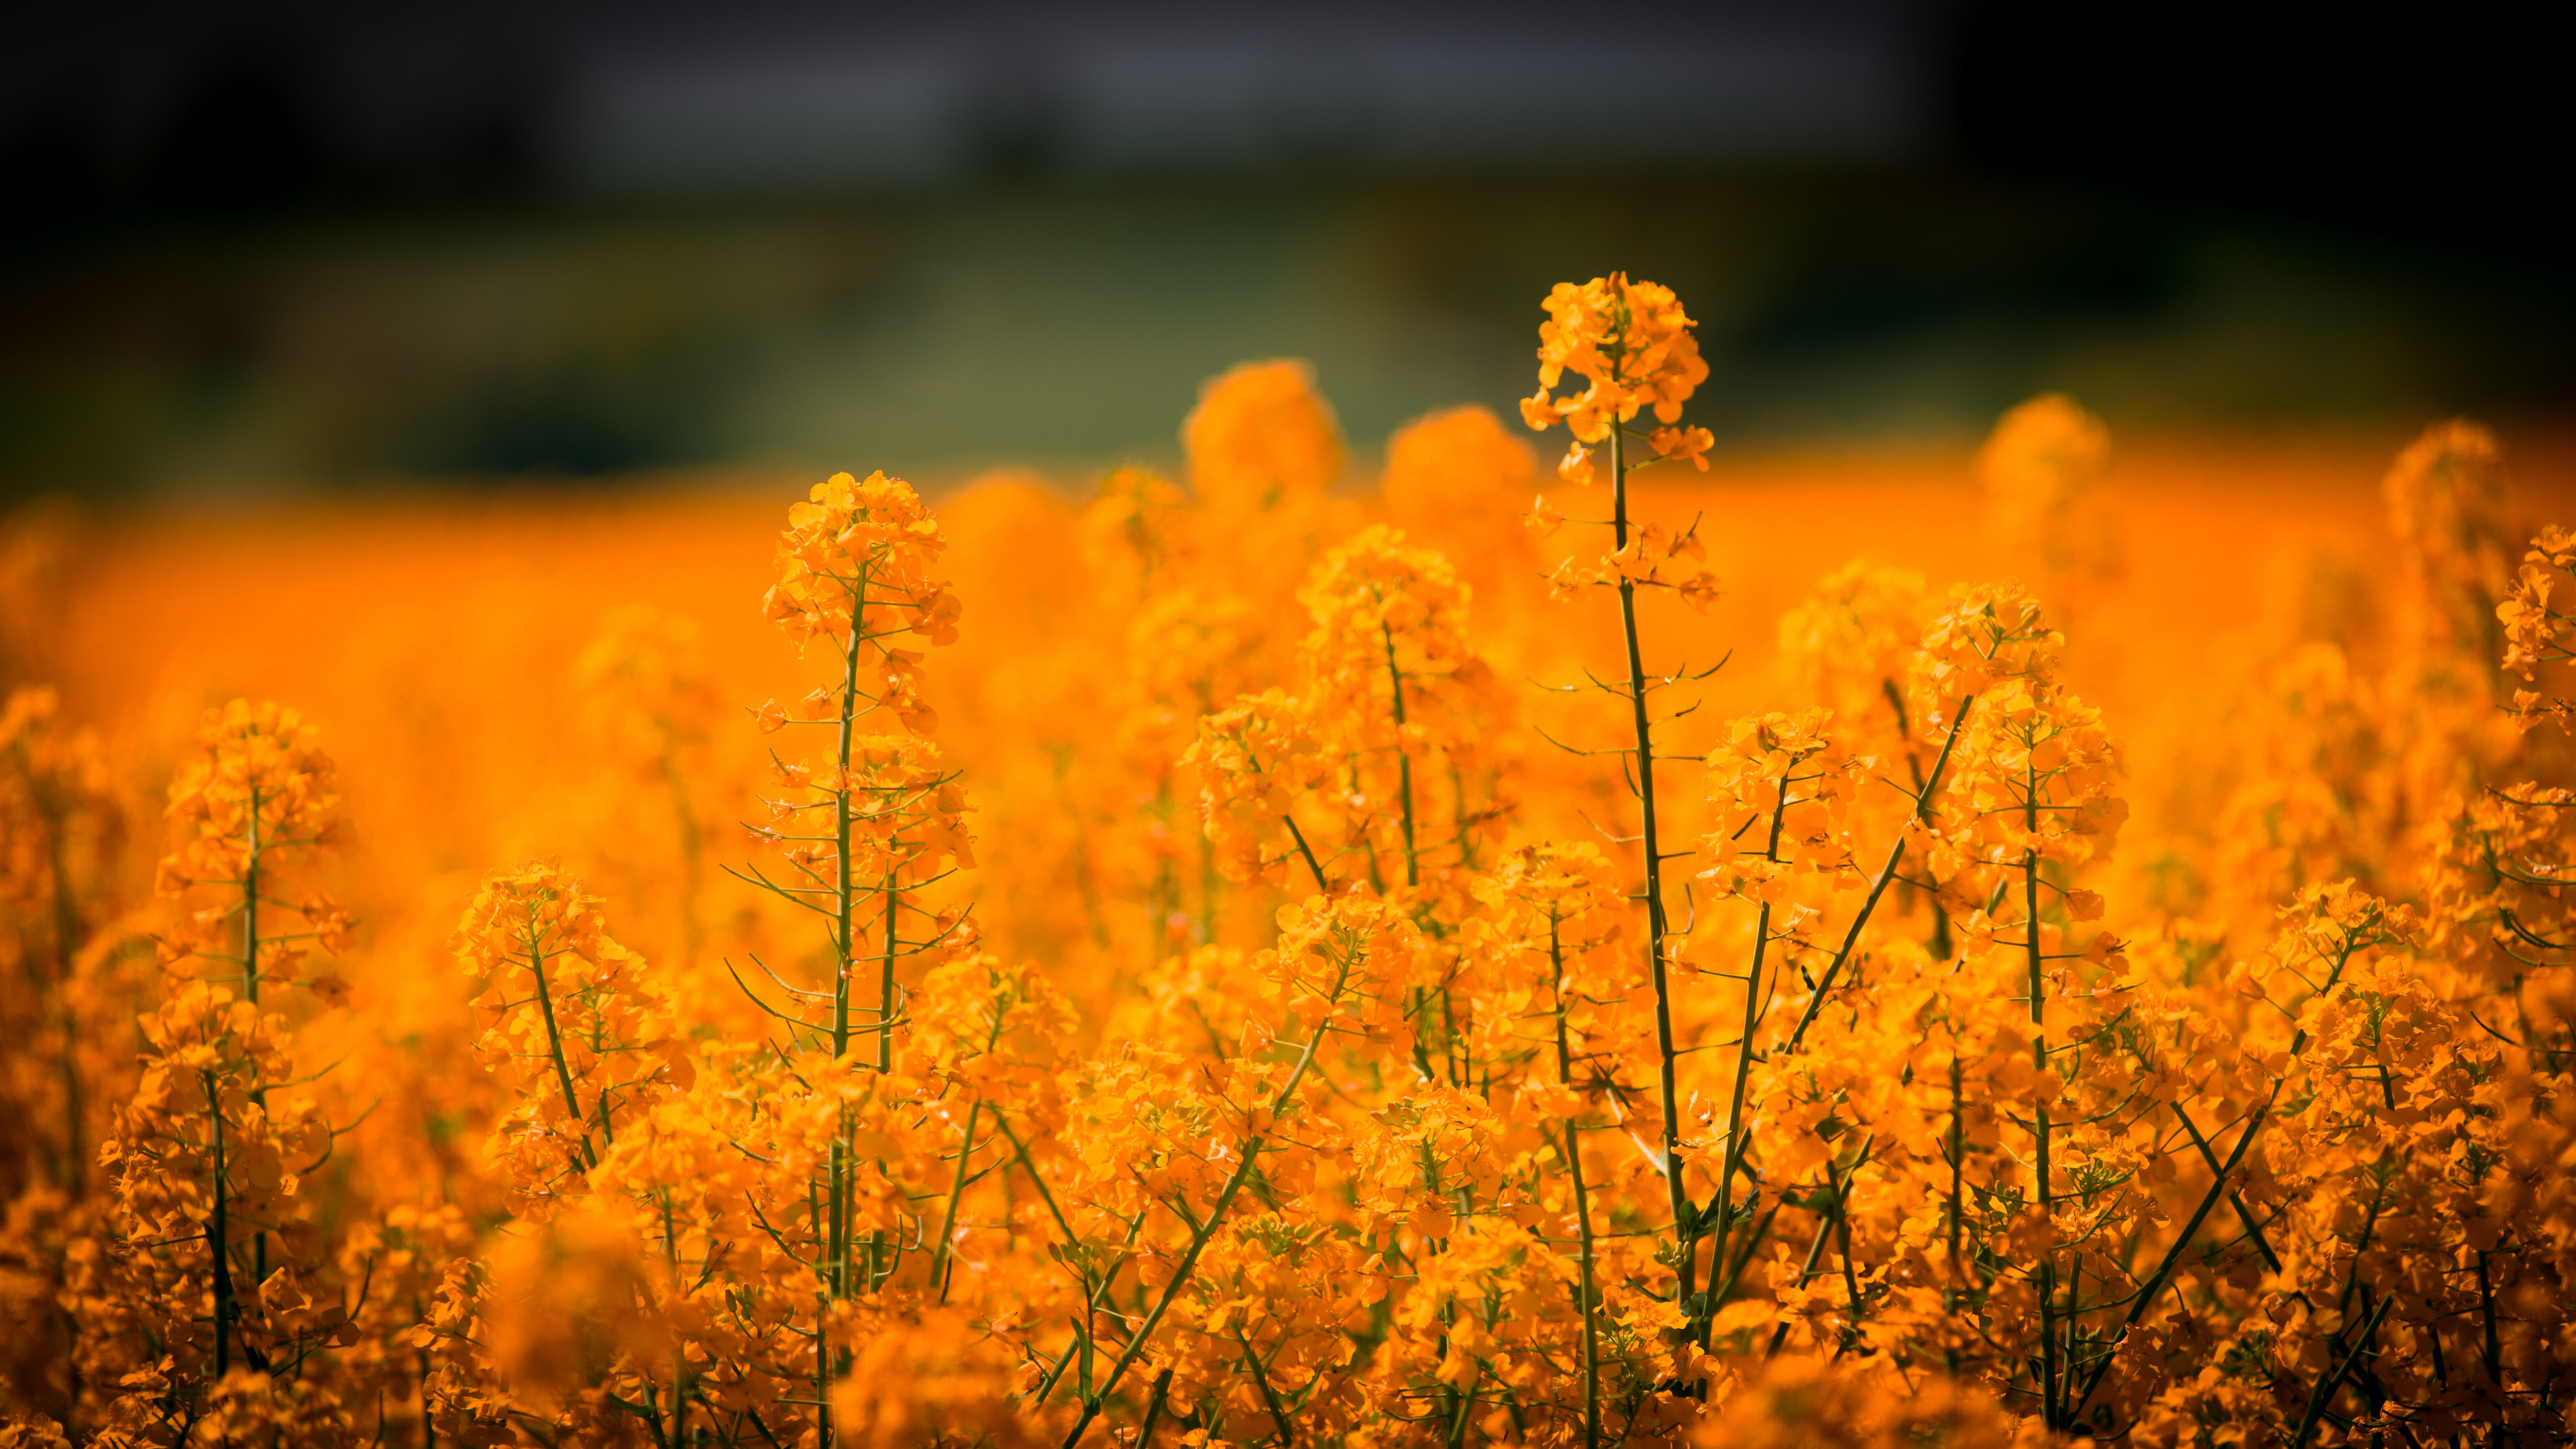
[
  {"x": 868, "y": 828},
  {"x": 1633, "y": 345},
  {"x": 207, "y": 1156}
]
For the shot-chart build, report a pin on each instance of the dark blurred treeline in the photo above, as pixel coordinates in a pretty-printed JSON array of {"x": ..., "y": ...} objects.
[{"x": 260, "y": 247}]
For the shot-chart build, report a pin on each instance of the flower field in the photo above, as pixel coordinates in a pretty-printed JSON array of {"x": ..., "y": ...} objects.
[{"x": 1563, "y": 939}]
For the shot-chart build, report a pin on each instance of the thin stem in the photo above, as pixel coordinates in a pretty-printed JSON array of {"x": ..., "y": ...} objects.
[
  {"x": 1958, "y": 1166},
  {"x": 2155, "y": 1284},
  {"x": 428, "y": 1410},
  {"x": 1403, "y": 760},
  {"x": 2039, "y": 1059},
  {"x": 2326, "y": 1387},
  {"x": 554, "y": 1045},
  {"x": 1722, "y": 1290},
  {"x": 885, "y": 983},
  {"x": 1685, "y": 1219},
  {"x": 1589, "y": 1290},
  {"x": 227, "y": 1307},
  {"x": 1307, "y": 851},
  {"x": 679, "y": 1360},
  {"x": 2173, "y": 1256},
  {"x": 2244, "y": 1215},
  {"x": 2145, "y": 1298},
  {"x": 1878, "y": 887},
  {"x": 250, "y": 989},
  {"x": 956, "y": 1192},
  {"x": 836, "y": 1246},
  {"x": 250, "y": 901},
  {"x": 1733, "y": 1158},
  {"x": 1208, "y": 887},
  {"x": 1269, "y": 1396},
  {"x": 2490, "y": 1352},
  {"x": 1154, "y": 1411},
  {"x": 1029, "y": 1165},
  {"x": 1837, "y": 1193},
  {"x": 1851, "y": 1279},
  {"x": 1207, "y": 1226}
]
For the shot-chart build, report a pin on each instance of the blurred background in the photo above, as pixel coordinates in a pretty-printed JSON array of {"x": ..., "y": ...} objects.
[{"x": 254, "y": 251}]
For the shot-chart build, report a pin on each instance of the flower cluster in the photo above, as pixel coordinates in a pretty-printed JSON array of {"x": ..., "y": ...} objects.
[
  {"x": 573, "y": 1028},
  {"x": 1260, "y": 438},
  {"x": 2535, "y": 635},
  {"x": 857, "y": 558},
  {"x": 1378, "y": 1003},
  {"x": 257, "y": 793},
  {"x": 1632, "y": 345},
  {"x": 220, "y": 1290},
  {"x": 2037, "y": 469}
]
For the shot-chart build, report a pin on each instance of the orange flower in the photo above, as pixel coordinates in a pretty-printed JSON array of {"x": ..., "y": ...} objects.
[
  {"x": 1454, "y": 462},
  {"x": 1690, "y": 443},
  {"x": 1260, "y": 436},
  {"x": 1631, "y": 343}
]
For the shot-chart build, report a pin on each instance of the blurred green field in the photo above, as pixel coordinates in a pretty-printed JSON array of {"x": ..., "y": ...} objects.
[{"x": 1057, "y": 326}]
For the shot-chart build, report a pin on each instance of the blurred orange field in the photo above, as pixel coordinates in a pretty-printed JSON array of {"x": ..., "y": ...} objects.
[
  {"x": 434, "y": 639},
  {"x": 1232, "y": 1003}
]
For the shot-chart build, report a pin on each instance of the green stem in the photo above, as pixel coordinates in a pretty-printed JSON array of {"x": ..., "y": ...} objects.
[
  {"x": 226, "y": 1306},
  {"x": 1312, "y": 865},
  {"x": 1206, "y": 1231},
  {"x": 1029, "y": 1165},
  {"x": 844, "y": 900},
  {"x": 1958, "y": 1167},
  {"x": 679, "y": 1361},
  {"x": 2039, "y": 1059},
  {"x": 836, "y": 1245},
  {"x": 2156, "y": 1281},
  {"x": 885, "y": 981},
  {"x": 2218, "y": 1187},
  {"x": 1837, "y": 1193},
  {"x": 250, "y": 989},
  {"x": 2491, "y": 1352},
  {"x": 1851, "y": 1279},
  {"x": 554, "y": 1045},
  {"x": 1154, "y": 1411},
  {"x": 1685, "y": 1241},
  {"x": 1878, "y": 887},
  {"x": 1733, "y": 1158},
  {"x": 956, "y": 1193},
  {"x": 1208, "y": 888},
  {"x": 1722, "y": 1289},
  {"x": 1588, "y": 1303},
  {"x": 2244, "y": 1215},
  {"x": 250, "y": 901},
  {"x": 2326, "y": 1387},
  {"x": 1403, "y": 759},
  {"x": 1269, "y": 1396},
  {"x": 823, "y": 1216}
]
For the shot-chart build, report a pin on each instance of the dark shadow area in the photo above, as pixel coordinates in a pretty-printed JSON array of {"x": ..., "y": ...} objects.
[{"x": 2440, "y": 124}]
